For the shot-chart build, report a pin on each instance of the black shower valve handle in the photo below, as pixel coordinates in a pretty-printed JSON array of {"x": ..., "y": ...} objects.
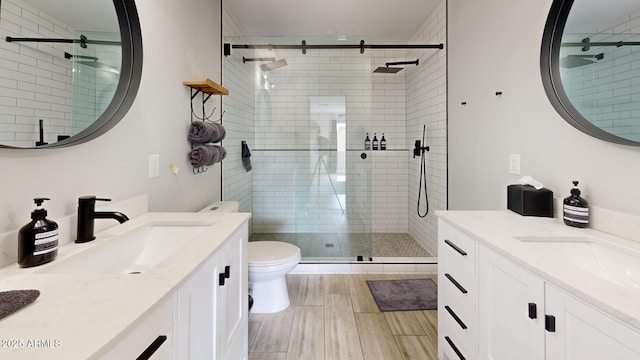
[{"x": 418, "y": 149}]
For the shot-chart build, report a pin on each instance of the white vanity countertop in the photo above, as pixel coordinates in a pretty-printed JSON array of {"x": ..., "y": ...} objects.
[
  {"x": 497, "y": 229},
  {"x": 79, "y": 316}
]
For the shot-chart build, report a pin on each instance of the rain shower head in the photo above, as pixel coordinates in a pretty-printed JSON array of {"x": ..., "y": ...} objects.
[
  {"x": 393, "y": 70},
  {"x": 273, "y": 65},
  {"x": 387, "y": 70},
  {"x": 573, "y": 61}
]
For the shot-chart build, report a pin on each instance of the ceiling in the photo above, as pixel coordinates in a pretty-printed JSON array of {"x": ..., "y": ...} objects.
[
  {"x": 380, "y": 21},
  {"x": 87, "y": 15},
  {"x": 587, "y": 16}
]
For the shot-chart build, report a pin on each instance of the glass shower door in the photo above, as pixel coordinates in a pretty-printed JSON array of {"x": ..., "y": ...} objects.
[
  {"x": 332, "y": 181},
  {"x": 96, "y": 74}
]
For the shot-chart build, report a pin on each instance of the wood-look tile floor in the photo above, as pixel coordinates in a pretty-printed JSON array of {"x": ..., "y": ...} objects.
[{"x": 335, "y": 317}]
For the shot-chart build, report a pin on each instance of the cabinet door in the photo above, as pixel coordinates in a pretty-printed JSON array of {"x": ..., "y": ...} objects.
[
  {"x": 232, "y": 314},
  {"x": 194, "y": 314},
  {"x": 585, "y": 333},
  {"x": 511, "y": 310}
]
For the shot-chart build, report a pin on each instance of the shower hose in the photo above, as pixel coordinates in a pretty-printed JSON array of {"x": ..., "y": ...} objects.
[{"x": 423, "y": 177}]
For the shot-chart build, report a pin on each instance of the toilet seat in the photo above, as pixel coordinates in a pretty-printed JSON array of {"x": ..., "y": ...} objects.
[{"x": 270, "y": 253}]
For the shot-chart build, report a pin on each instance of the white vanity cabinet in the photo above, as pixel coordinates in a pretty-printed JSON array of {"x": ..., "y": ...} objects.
[
  {"x": 211, "y": 320},
  {"x": 523, "y": 317},
  {"x": 508, "y": 312}
]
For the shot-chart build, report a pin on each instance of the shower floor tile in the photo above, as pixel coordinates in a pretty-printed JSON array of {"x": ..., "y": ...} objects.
[{"x": 323, "y": 245}]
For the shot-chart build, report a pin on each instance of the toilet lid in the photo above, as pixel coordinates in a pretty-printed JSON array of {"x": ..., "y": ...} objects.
[{"x": 266, "y": 253}]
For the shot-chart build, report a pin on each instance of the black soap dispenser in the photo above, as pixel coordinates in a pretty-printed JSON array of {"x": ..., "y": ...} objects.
[
  {"x": 575, "y": 209},
  {"x": 38, "y": 240}
]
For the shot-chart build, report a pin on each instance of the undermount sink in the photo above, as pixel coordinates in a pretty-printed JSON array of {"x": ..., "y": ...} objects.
[
  {"x": 617, "y": 264},
  {"x": 133, "y": 252}
]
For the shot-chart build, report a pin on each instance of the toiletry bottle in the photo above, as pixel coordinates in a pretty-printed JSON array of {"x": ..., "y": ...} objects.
[
  {"x": 375, "y": 142},
  {"x": 383, "y": 143},
  {"x": 38, "y": 240},
  {"x": 367, "y": 143},
  {"x": 575, "y": 209}
]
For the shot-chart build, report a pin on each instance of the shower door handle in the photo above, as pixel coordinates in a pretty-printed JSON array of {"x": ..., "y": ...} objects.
[{"x": 363, "y": 156}]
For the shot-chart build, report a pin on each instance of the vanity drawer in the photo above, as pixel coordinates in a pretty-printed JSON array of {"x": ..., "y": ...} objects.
[
  {"x": 453, "y": 348},
  {"x": 456, "y": 249},
  {"x": 459, "y": 322},
  {"x": 461, "y": 292},
  {"x": 151, "y": 337}
]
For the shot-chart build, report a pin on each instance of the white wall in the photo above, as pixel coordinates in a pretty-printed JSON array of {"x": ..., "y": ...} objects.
[
  {"x": 181, "y": 42},
  {"x": 494, "y": 45}
]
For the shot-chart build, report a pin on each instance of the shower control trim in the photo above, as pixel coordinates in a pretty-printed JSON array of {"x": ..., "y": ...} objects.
[{"x": 418, "y": 149}]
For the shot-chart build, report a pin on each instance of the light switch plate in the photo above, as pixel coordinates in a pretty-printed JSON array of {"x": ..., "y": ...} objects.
[
  {"x": 514, "y": 164},
  {"x": 154, "y": 165}
]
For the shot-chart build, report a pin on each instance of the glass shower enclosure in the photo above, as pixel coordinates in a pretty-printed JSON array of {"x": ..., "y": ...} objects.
[{"x": 304, "y": 118}]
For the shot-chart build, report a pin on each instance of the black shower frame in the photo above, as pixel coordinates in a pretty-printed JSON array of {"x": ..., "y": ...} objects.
[{"x": 304, "y": 47}]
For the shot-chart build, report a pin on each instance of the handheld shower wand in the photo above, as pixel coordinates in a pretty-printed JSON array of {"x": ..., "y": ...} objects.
[{"x": 419, "y": 150}]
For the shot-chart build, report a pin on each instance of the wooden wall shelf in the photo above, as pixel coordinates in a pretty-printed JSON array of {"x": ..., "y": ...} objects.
[{"x": 207, "y": 86}]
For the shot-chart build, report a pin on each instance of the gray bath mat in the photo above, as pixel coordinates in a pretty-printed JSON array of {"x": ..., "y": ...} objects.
[{"x": 403, "y": 295}]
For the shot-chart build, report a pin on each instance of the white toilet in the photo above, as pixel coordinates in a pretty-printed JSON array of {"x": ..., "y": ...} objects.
[{"x": 269, "y": 263}]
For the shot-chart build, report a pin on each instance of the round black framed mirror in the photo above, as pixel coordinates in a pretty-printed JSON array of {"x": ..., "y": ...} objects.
[
  {"x": 77, "y": 70},
  {"x": 589, "y": 64}
]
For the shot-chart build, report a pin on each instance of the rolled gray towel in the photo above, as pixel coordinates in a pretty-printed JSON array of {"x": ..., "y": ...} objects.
[
  {"x": 201, "y": 132},
  {"x": 218, "y": 135},
  {"x": 206, "y": 155}
]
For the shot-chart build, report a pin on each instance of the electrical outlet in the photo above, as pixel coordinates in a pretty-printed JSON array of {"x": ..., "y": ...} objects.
[
  {"x": 154, "y": 165},
  {"x": 514, "y": 164}
]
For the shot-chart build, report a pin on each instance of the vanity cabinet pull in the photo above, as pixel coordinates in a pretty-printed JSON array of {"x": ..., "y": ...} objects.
[
  {"x": 151, "y": 349},
  {"x": 221, "y": 278},
  {"x": 533, "y": 311},
  {"x": 227, "y": 271},
  {"x": 455, "y": 348},
  {"x": 550, "y": 323},
  {"x": 456, "y": 248},
  {"x": 463, "y": 290},
  {"x": 455, "y": 317}
]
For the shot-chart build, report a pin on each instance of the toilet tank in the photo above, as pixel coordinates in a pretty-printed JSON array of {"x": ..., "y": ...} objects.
[{"x": 222, "y": 206}]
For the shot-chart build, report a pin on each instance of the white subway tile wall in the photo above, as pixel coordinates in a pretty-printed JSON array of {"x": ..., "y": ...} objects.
[
  {"x": 427, "y": 104},
  {"x": 37, "y": 81},
  {"x": 607, "y": 92},
  {"x": 35, "y": 78},
  {"x": 238, "y": 119}
]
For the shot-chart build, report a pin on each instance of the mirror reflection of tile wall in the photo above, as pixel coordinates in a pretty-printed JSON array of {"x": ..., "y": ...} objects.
[{"x": 35, "y": 80}]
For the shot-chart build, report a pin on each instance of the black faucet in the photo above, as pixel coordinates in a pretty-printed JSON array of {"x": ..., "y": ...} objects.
[{"x": 87, "y": 214}]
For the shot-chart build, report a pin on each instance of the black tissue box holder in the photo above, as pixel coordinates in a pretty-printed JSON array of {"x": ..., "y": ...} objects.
[{"x": 527, "y": 201}]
